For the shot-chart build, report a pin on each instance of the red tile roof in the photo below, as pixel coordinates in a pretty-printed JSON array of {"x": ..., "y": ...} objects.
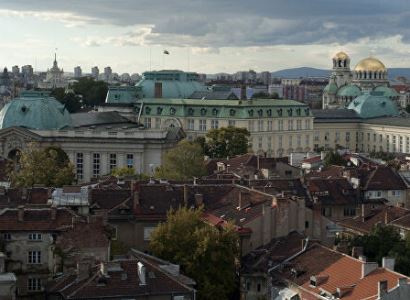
[
  {"x": 334, "y": 191},
  {"x": 384, "y": 178},
  {"x": 338, "y": 271}
]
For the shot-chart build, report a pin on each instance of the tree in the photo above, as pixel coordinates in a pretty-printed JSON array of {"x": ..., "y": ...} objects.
[
  {"x": 334, "y": 158},
  {"x": 71, "y": 101},
  {"x": 205, "y": 253},
  {"x": 408, "y": 108},
  {"x": 93, "y": 92},
  {"x": 183, "y": 162},
  {"x": 49, "y": 167},
  {"x": 125, "y": 171},
  {"x": 226, "y": 142}
]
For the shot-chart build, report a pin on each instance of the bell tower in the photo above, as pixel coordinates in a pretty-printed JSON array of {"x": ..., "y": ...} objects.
[{"x": 341, "y": 69}]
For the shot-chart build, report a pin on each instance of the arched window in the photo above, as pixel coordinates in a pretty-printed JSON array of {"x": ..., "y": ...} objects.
[
  {"x": 364, "y": 75},
  {"x": 340, "y": 63},
  {"x": 344, "y": 63}
]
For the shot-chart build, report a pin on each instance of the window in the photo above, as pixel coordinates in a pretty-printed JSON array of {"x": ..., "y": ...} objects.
[
  {"x": 280, "y": 141},
  {"x": 147, "y": 233},
  {"x": 34, "y": 257},
  {"x": 290, "y": 141},
  {"x": 269, "y": 142},
  {"x": 113, "y": 161},
  {"x": 260, "y": 142},
  {"x": 327, "y": 211},
  {"x": 260, "y": 125},
  {"x": 299, "y": 124},
  {"x": 130, "y": 161},
  {"x": 299, "y": 140},
  {"x": 191, "y": 124},
  {"x": 380, "y": 138},
  {"x": 34, "y": 284},
  {"x": 307, "y": 124},
  {"x": 7, "y": 236},
  {"x": 290, "y": 124},
  {"x": 80, "y": 165},
  {"x": 349, "y": 211},
  {"x": 317, "y": 136},
  {"x": 157, "y": 123},
  {"x": 347, "y": 136},
  {"x": 231, "y": 123},
  {"x": 337, "y": 136},
  {"x": 395, "y": 193},
  {"x": 374, "y": 137},
  {"x": 96, "y": 164},
  {"x": 214, "y": 124},
  {"x": 307, "y": 140},
  {"x": 280, "y": 125},
  {"x": 147, "y": 122},
  {"x": 250, "y": 125},
  {"x": 34, "y": 236},
  {"x": 368, "y": 136},
  {"x": 327, "y": 134},
  {"x": 202, "y": 125},
  {"x": 270, "y": 125}
]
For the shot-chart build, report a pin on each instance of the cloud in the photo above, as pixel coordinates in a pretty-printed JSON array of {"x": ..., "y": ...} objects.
[{"x": 227, "y": 23}]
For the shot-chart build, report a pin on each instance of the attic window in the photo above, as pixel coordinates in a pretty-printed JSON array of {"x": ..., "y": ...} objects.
[
  {"x": 159, "y": 110},
  {"x": 250, "y": 112},
  {"x": 172, "y": 111},
  {"x": 269, "y": 112},
  {"x": 307, "y": 111},
  {"x": 290, "y": 111},
  {"x": 148, "y": 110},
  {"x": 232, "y": 112},
  {"x": 214, "y": 111},
  {"x": 203, "y": 111},
  {"x": 280, "y": 112},
  {"x": 190, "y": 111},
  {"x": 260, "y": 112},
  {"x": 298, "y": 111}
]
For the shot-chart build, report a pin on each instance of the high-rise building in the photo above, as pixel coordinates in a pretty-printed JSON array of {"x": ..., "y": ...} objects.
[
  {"x": 27, "y": 70},
  {"x": 77, "y": 72},
  {"x": 15, "y": 70},
  {"x": 95, "y": 72},
  {"x": 107, "y": 73}
]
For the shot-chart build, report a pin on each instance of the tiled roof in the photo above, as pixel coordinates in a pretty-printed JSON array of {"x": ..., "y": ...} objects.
[
  {"x": 39, "y": 219},
  {"x": 106, "y": 199},
  {"x": 327, "y": 172},
  {"x": 403, "y": 222},
  {"x": 333, "y": 191},
  {"x": 382, "y": 215},
  {"x": 384, "y": 178},
  {"x": 120, "y": 281},
  {"x": 337, "y": 271}
]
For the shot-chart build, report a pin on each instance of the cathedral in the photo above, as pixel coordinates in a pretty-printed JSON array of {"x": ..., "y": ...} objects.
[{"x": 369, "y": 75}]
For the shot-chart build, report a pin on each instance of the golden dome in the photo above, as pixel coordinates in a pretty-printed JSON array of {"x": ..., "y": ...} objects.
[
  {"x": 341, "y": 55},
  {"x": 370, "y": 64}
]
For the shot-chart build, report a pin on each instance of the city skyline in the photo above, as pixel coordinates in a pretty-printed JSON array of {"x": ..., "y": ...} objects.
[{"x": 202, "y": 36}]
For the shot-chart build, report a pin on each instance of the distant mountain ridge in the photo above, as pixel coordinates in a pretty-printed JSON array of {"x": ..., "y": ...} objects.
[{"x": 313, "y": 72}]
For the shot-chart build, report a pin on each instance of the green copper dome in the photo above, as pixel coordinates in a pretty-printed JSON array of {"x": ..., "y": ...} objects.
[
  {"x": 388, "y": 92},
  {"x": 374, "y": 105},
  {"x": 349, "y": 90},
  {"x": 330, "y": 88},
  {"x": 35, "y": 111}
]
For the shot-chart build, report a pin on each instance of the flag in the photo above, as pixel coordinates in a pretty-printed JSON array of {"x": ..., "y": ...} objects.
[{"x": 166, "y": 52}]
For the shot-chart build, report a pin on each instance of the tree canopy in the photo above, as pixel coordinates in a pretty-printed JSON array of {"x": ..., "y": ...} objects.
[
  {"x": 49, "y": 167},
  {"x": 70, "y": 100},
  {"x": 334, "y": 158},
  {"x": 385, "y": 241},
  {"x": 124, "y": 171},
  {"x": 205, "y": 253},
  {"x": 226, "y": 142},
  {"x": 183, "y": 162},
  {"x": 93, "y": 92}
]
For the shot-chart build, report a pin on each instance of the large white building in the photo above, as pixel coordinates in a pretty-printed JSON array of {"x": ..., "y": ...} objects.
[{"x": 54, "y": 78}]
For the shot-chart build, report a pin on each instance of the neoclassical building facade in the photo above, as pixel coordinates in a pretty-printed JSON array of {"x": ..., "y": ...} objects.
[
  {"x": 95, "y": 142},
  {"x": 369, "y": 75}
]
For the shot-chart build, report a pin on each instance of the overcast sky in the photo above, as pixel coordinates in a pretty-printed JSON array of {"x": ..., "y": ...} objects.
[{"x": 202, "y": 35}]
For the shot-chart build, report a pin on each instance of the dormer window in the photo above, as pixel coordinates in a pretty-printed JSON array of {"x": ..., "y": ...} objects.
[
  {"x": 148, "y": 110},
  {"x": 298, "y": 111},
  {"x": 159, "y": 110},
  {"x": 269, "y": 112},
  {"x": 190, "y": 111},
  {"x": 260, "y": 112},
  {"x": 290, "y": 111},
  {"x": 203, "y": 111},
  {"x": 172, "y": 111},
  {"x": 214, "y": 111},
  {"x": 307, "y": 111},
  {"x": 250, "y": 112},
  {"x": 280, "y": 112},
  {"x": 232, "y": 112}
]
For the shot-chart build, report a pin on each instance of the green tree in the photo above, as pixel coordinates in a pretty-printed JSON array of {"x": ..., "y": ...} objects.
[
  {"x": 71, "y": 101},
  {"x": 42, "y": 166},
  {"x": 226, "y": 142},
  {"x": 92, "y": 91},
  {"x": 124, "y": 171},
  {"x": 205, "y": 253},
  {"x": 183, "y": 162},
  {"x": 334, "y": 158},
  {"x": 408, "y": 108}
]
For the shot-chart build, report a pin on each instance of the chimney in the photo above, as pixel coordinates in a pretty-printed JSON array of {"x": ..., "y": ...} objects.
[
  {"x": 20, "y": 213},
  {"x": 388, "y": 263},
  {"x": 186, "y": 195},
  {"x": 368, "y": 267},
  {"x": 141, "y": 273},
  {"x": 199, "y": 200},
  {"x": 357, "y": 252},
  {"x": 53, "y": 212},
  {"x": 2, "y": 263},
  {"x": 382, "y": 288},
  {"x": 158, "y": 90}
]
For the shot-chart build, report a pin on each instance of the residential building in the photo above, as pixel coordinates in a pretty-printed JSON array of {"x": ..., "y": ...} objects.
[
  {"x": 107, "y": 74},
  {"x": 8, "y": 281},
  {"x": 95, "y": 72},
  {"x": 78, "y": 72}
]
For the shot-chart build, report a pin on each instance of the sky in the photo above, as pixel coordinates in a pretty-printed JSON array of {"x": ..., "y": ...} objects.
[{"x": 206, "y": 36}]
